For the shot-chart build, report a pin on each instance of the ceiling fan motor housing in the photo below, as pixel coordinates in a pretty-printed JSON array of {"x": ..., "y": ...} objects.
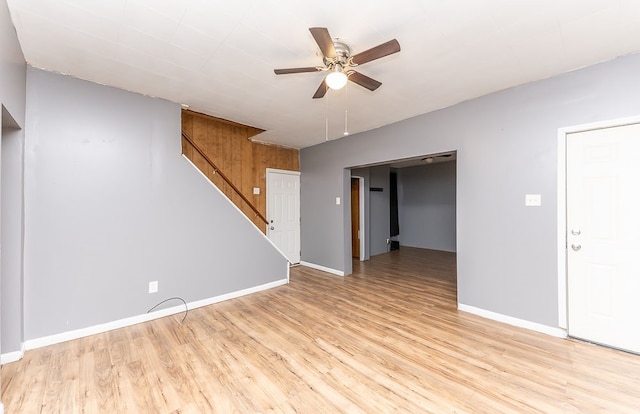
[{"x": 343, "y": 53}]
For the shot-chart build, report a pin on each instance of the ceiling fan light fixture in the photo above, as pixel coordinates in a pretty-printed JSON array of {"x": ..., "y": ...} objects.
[
  {"x": 336, "y": 79},
  {"x": 339, "y": 63}
]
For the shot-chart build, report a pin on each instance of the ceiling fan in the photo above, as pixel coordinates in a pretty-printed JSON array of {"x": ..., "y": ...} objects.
[{"x": 339, "y": 62}]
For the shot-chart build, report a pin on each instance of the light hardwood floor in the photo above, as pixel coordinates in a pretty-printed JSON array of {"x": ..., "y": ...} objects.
[{"x": 387, "y": 339}]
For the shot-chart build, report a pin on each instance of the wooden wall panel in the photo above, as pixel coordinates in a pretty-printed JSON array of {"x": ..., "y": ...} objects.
[{"x": 244, "y": 162}]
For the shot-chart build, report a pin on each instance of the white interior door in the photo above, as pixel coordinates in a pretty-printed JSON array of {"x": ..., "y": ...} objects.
[
  {"x": 603, "y": 236},
  {"x": 283, "y": 212}
]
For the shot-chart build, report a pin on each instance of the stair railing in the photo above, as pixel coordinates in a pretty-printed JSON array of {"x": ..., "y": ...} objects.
[{"x": 216, "y": 170}]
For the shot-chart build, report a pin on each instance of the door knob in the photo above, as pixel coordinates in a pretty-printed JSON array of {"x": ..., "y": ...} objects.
[
  {"x": 273, "y": 228},
  {"x": 576, "y": 247},
  {"x": 575, "y": 232}
]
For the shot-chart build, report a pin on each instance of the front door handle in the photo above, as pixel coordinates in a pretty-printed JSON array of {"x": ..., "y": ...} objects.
[
  {"x": 576, "y": 247},
  {"x": 273, "y": 228},
  {"x": 575, "y": 232}
]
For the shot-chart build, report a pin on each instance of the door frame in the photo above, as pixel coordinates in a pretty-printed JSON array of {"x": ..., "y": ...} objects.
[
  {"x": 266, "y": 200},
  {"x": 562, "y": 204},
  {"x": 361, "y": 216}
]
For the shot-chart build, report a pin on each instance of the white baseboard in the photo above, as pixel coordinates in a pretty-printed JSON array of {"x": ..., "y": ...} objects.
[
  {"x": 322, "y": 268},
  {"x": 521, "y": 323},
  {"x": 12, "y": 357},
  {"x": 1, "y": 408},
  {"x": 121, "y": 323}
]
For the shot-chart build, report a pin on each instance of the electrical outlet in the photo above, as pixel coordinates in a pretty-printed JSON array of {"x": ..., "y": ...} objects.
[{"x": 153, "y": 286}]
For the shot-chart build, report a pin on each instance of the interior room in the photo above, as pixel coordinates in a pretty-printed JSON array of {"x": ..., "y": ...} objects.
[
  {"x": 425, "y": 204},
  {"x": 198, "y": 209}
]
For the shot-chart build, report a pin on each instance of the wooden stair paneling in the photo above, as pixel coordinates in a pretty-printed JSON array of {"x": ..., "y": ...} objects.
[{"x": 244, "y": 162}]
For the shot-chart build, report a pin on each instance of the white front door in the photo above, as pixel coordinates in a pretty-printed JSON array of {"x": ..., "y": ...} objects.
[
  {"x": 603, "y": 236},
  {"x": 283, "y": 212}
]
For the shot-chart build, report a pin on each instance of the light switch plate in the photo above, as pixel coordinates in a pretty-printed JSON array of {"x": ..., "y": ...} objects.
[
  {"x": 337, "y": 201},
  {"x": 256, "y": 190},
  {"x": 532, "y": 200}
]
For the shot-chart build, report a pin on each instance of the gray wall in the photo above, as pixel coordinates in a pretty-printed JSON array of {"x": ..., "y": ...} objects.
[
  {"x": 12, "y": 105},
  {"x": 112, "y": 205},
  {"x": 427, "y": 206},
  {"x": 507, "y": 147},
  {"x": 379, "y": 220}
]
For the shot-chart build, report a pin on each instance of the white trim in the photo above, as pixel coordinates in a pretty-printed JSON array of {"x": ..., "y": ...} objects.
[
  {"x": 562, "y": 204},
  {"x": 1, "y": 408},
  {"x": 12, "y": 356},
  {"x": 322, "y": 268},
  {"x": 549, "y": 330},
  {"x": 234, "y": 206},
  {"x": 361, "y": 207},
  {"x": 363, "y": 245},
  {"x": 121, "y": 323},
  {"x": 562, "y": 229},
  {"x": 277, "y": 171}
]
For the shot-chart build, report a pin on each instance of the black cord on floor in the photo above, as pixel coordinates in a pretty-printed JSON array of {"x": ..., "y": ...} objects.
[{"x": 186, "y": 308}]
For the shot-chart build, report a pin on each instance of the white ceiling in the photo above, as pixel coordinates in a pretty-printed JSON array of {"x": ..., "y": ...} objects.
[{"x": 218, "y": 56}]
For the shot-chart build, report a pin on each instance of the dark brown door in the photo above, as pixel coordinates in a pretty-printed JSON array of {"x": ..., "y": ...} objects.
[{"x": 355, "y": 218}]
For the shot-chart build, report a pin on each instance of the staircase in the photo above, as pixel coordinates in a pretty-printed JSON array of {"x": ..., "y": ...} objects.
[{"x": 224, "y": 152}]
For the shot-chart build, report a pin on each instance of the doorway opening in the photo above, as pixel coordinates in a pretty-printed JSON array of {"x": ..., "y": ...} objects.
[
  {"x": 357, "y": 218},
  {"x": 12, "y": 238},
  {"x": 426, "y": 206}
]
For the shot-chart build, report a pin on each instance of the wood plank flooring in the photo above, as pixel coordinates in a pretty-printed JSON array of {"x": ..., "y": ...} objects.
[{"x": 386, "y": 339}]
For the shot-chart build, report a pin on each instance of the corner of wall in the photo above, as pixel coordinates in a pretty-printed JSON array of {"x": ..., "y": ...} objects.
[
  {"x": 12, "y": 356},
  {"x": 323, "y": 268},
  {"x": 521, "y": 323}
]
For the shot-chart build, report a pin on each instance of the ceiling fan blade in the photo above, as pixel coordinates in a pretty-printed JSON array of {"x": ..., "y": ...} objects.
[
  {"x": 364, "y": 81},
  {"x": 322, "y": 90},
  {"x": 385, "y": 49},
  {"x": 296, "y": 70},
  {"x": 324, "y": 40}
]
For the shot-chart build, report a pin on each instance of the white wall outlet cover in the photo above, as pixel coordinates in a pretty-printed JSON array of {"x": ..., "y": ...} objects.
[
  {"x": 153, "y": 286},
  {"x": 532, "y": 200},
  {"x": 256, "y": 190},
  {"x": 337, "y": 201}
]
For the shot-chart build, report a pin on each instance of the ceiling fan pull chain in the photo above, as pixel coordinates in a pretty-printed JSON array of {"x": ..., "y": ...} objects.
[
  {"x": 346, "y": 107},
  {"x": 326, "y": 120},
  {"x": 346, "y": 130}
]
